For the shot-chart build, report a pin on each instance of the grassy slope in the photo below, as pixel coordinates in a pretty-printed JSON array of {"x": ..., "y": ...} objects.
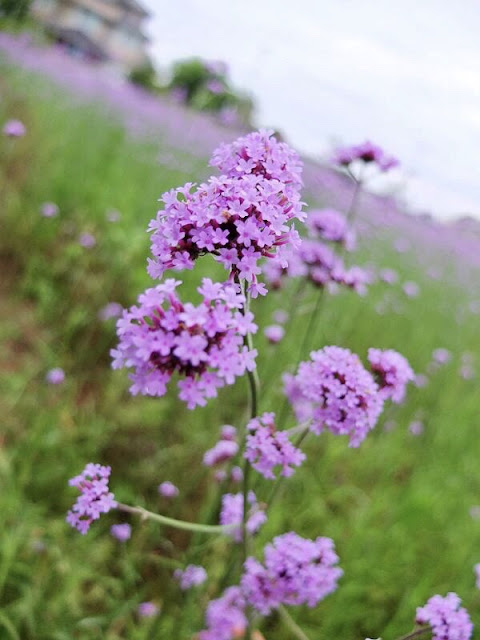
[{"x": 398, "y": 508}]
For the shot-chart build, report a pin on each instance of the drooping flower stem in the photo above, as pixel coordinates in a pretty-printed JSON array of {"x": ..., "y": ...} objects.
[
  {"x": 416, "y": 633},
  {"x": 172, "y": 522},
  {"x": 291, "y": 624}
]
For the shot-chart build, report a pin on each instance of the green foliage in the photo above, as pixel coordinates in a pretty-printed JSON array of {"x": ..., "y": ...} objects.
[
  {"x": 205, "y": 86},
  {"x": 397, "y": 508},
  {"x": 145, "y": 77},
  {"x": 17, "y": 9}
]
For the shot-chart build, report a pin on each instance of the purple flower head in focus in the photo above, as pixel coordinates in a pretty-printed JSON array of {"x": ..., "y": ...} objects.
[
  {"x": 239, "y": 217},
  {"x": 95, "y": 497},
  {"x": 168, "y": 490},
  {"x": 232, "y": 514},
  {"x": 366, "y": 152},
  {"x": 392, "y": 373},
  {"x": 191, "y": 576},
  {"x": 447, "y": 619},
  {"x": 336, "y": 392},
  {"x": 147, "y": 609},
  {"x": 49, "y": 210},
  {"x": 122, "y": 532},
  {"x": 14, "y": 129},
  {"x": 296, "y": 571},
  {"x": 225, "y": 617},
  {"x": 55, "y": 376},
  {"x": 203, "y": 344},
  {"x": 267, "y": 448}
]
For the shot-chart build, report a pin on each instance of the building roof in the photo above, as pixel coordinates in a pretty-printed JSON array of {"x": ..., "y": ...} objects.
[{"x": 133, "y": 5}]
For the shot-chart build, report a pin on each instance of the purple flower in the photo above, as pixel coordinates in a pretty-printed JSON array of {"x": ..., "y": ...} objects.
[
  {"x": 416, "y": 427},
  {"x": 225, "y": 617},
  {"x": 49, "y": 210},
  {"x": 447, "y": 619},
  {"x": 236, "y": 475},
  {"x": 296, "y": 571},
  {"x": 335, "y": 391},
  {"x": 232, "y": 514},
  {"x": 392, "y": 373},
  {"x": 389, "y": 276},
  {"x": 238, "y": 217},
  {"x": 441, "y": 356},
  {"x": 191, "y": 576},
  {"x": 280, "y": 316},
  {"x": 420, "y": 380},
  {"x": 476, "y": 570},
  {"x": 122, "y": 532},
  {"x": 267, "y": 448},
  {"x": 223, "y": 450},
  {"x": 110, "y": 310},
  {"x": 14, "y": 129},
  {"x": 87, "y": 240},
  {"x": 274, "y": 333},
  {"x": 168, "y": 490},
  {"x": 411, "y": 289},
  {"x": 95, "y": 497},
  {"x": 368, "y": 153},
  {"x": 329, "y": 225},
  {"x": 147, "y": 609},
  {"x": 203, "y": 344},
  {"x": 55, "y": 376}
]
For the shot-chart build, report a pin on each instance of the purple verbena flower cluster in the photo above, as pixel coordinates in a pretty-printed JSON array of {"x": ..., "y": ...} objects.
[
  {"x": 447, "y": 619},
  {"x": 191, "y": 576},
  {"x": 225, "y": 449},
  {"x": 317, "y": 261},
  {"x": 392, "y": 373},
  {"x": 121, "y": 532},
  {"x": 267, "y": 448},
  {"x": 14, "y": 129},
  {"x": 330, "y": 225},
  {"x": 238, "y": 217},
  {"x": 335, "y": 391},
  {"x": 225, "y": 617},
  {"x": 232, "y": 514},
  {"x": 94, "y": 499},
  {"x": 168, "y": 490},
  {"x": 296, "y": 571},
  {"x": 203, "y": 344},
  {"x": 366, "y": 152}
]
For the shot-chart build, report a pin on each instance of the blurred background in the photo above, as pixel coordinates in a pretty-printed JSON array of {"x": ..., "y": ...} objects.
[{"x": 104, "y": 106}]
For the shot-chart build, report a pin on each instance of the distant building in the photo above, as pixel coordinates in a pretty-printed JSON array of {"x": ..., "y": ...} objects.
[{"x": 107, "y": 31}]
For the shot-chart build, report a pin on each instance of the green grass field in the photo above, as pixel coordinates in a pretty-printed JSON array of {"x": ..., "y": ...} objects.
[{"x": 398, "y": 507}]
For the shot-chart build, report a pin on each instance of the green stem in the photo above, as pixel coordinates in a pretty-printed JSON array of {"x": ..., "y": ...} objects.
[
  {"x": 254, "y": 385},
  {"x": 415, "y": 634},
  {"x": 291, "y": 624},
  {"x": 176, "y": 524}
]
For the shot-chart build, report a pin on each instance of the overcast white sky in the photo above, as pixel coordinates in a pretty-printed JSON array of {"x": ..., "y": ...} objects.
[{"x": 403, "y": 73}]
